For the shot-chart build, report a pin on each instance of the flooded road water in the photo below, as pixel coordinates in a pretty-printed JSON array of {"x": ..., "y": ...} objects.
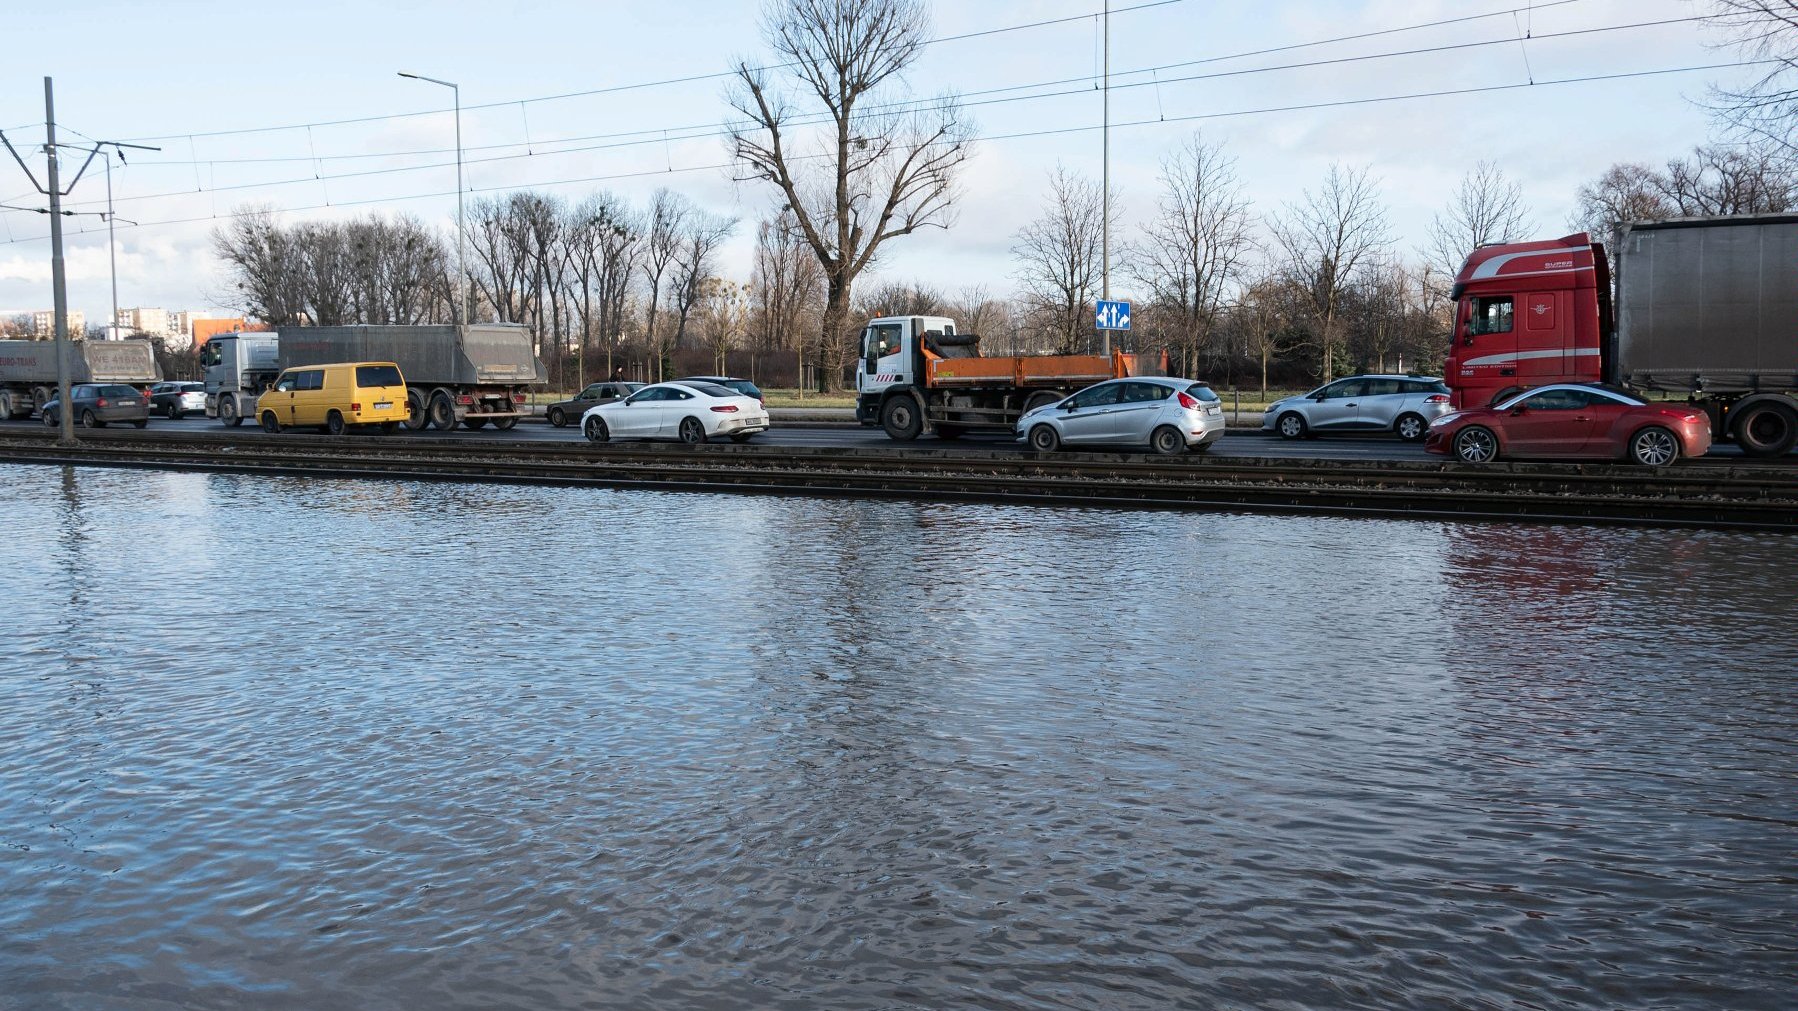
[{"x": 280, "y": 743}]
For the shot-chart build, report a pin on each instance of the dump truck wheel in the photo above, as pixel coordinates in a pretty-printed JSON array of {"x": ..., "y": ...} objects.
[
  {"x": 416, "y": 418},
  {"x": 228, "y": 415},
  {"x": 475, "y": 424},
  {"x": 505, "y": 424},
  {"x": 949, "y": 431},
  {"x": 900, "y": 417},
  {"x": 441, "y": 412}
]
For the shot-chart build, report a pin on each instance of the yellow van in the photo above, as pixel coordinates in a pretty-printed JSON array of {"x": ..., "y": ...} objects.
[{"x": 335, "y": 397}]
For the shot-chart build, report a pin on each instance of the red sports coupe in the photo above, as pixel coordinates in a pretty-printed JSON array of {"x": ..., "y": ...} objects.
[{"x": 1578, "y": 420}]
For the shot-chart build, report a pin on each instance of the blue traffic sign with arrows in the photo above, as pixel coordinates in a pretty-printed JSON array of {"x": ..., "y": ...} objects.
[{"x": 1113, "y": 316}]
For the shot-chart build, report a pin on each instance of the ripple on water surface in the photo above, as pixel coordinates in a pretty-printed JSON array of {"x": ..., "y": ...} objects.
[{"x": 286, "y": 743}]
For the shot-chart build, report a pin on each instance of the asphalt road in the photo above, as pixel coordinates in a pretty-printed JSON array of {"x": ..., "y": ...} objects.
[{"x": 1239, "y": 442}]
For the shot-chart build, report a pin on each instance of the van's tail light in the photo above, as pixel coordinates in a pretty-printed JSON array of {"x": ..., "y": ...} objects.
[
  {"x": 1188, "y": 402},
  {"x": 355, "y": 406},
  {"x": 1436, "y": 398},
  {"x": 725, "y": 409}
]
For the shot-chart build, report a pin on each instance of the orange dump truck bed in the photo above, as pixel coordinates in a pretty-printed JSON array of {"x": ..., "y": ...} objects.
[{"x": 1038, "y": 370}]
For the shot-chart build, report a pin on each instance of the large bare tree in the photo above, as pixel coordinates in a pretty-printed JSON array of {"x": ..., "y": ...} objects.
[
  {"x": 868, "y": 171},
  {"x": 1191, "y": 252},
  {"x": 695, "y": 260},
  {"x": 368, "y": 270},
  {"x": 1058, "y": 265},
  {"x": 1327, "y": 238},
  {"x": 1486, "y": 207},
  {"x": 1767, "y": 106}
]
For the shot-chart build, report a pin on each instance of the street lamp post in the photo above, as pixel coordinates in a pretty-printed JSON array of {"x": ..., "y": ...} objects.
[{"x": 461, "y": 230}]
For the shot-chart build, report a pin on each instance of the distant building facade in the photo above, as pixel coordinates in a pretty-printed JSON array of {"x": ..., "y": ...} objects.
[{"x": 43, "y": 323}]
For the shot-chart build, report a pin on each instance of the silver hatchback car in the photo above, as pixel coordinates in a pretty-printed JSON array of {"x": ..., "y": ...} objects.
[
  {"x": 1402, "y": 404},
  {"x": 1167, "y": 415}
]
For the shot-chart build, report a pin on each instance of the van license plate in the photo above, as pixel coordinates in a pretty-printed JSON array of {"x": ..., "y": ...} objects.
[{"x": 382, "y": 405}]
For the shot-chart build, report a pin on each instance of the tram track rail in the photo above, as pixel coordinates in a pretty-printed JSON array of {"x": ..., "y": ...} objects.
[{"x": 1733, "y": 497}]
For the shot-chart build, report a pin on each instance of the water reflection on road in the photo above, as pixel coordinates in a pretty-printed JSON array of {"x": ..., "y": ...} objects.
[{"x": 293, "y": 743}]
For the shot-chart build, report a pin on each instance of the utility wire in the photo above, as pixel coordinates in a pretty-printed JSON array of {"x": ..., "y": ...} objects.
[
  {"x": 658, "y": 131},
  {"x": 802, "y": 121},
  {"x": 1268, "y": 110},
  {"x": 613, "y": 89}
]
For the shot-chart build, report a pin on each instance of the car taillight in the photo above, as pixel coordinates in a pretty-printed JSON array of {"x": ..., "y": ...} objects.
[
  {"x": 1188, "y": 402},
  {"x": 100, "y": 403},
  {"x": 725, "y": 409},
  {"x": 1436, "y": 398}
]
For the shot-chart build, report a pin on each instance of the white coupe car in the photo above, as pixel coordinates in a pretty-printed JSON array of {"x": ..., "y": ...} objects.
[{"x": 690, "y": 411}]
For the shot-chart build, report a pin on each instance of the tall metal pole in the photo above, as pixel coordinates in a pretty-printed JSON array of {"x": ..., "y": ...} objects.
[
  {"x": 461, "y": 225},
  {"x": 1105, "y": 186},
  {"x": 462, "y": 293},
  {"x": 58, "y": 288},
  {"x": 112, "y": 255}
]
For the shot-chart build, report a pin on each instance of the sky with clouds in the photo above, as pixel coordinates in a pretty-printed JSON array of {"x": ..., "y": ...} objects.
[{"x": 300, "y": 107}]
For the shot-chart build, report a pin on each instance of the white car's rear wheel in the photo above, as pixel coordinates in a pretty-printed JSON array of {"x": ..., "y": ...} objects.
[{"x": 691, "y": 431}]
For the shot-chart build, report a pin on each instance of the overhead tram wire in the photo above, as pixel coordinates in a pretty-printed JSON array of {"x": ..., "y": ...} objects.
[
  {"x": 1342, "y": 103},
  {"x": 658, "y": 131},
  {"x": 713, "y": 133},
  {"x": 613, "y": 89}
]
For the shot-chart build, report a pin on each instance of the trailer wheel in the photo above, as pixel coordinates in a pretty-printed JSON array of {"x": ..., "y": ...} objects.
[
  {"x": 900, "y": 417},
  {"x": 5, "y": 405},
  {"x": 334, "y": 423},
  {"x": 416, "y": 418},
  {"x": 228, "y": 415},
  {"x": 1044, "y": 439},
  {"x": 1167, "y": 441},
  {"x": 1766, "y": 428},
  {"x": 270, "y": 423},
  {"x": 505, "y": 424},
  {"x": 441, "y": 412}
]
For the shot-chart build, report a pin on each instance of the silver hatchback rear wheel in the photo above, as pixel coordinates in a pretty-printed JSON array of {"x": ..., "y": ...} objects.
[{"x": 1167, "y": 441}]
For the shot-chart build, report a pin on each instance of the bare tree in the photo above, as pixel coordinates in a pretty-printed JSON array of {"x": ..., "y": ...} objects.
[
  {"x": 695, "y": 260},
  {"x": 786, "y": 287},
  {"x": 263, "y": 263},
  {"x": 668, "y": 213},
  {"x": 1326, "y": 238},
  {"x": 869, "y": 173},
  {"x": 722, "y": 314},
  {"x": 1767, "y": 107},
  {"x": 1191, "y": 252},
  {"x": 1486, "y": 207},
  {"x": 500, "y": 239},
  {"x": 1058, "y": 261},
  {"x": 1720, "y": 180}
]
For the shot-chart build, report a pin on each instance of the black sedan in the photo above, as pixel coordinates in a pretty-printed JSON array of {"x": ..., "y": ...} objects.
[{"x": 564, "y": 411}]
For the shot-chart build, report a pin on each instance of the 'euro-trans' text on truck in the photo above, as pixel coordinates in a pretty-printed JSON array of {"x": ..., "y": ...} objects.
[
  {"x": 1706, "y": 307},
  {"x": 28, "y": 370},
  {"x": 468, "y": 375},
  {"x": 917, "y": 374}
]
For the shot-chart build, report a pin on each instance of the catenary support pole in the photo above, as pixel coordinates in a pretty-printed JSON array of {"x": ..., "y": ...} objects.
[
  {"x": 1105, "y": 187},
  {"x": 58, "y": 287}
]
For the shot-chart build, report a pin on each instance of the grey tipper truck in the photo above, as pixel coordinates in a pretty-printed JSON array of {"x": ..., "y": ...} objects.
[
  {"x": 468, "y": 375},
  {"x": 28, "y": 370}
]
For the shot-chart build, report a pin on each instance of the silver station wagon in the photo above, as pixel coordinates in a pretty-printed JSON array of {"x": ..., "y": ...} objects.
[{"x": 1402, "y": 404}]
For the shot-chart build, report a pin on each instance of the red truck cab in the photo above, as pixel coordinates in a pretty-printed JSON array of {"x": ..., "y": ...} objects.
[{"x": 1527, "y": 314}]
